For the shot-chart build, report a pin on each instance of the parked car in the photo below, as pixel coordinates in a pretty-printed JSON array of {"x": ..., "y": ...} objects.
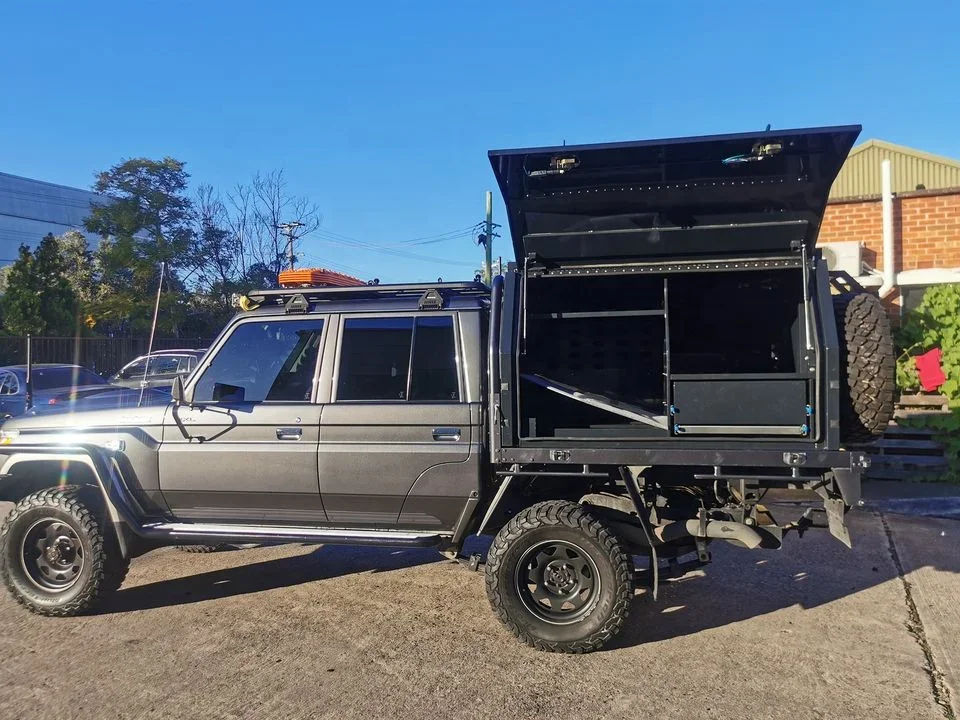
[
  {"x": 165, "y": 365},
  {"x": 51, "y": 382},
  {"x": 104, "y": 397}
]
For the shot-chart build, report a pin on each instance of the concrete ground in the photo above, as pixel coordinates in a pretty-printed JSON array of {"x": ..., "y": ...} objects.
[{"x": 811, "y": 631}]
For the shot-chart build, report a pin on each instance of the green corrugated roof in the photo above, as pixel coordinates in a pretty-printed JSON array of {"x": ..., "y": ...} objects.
[{"x": 860, "y": 174}]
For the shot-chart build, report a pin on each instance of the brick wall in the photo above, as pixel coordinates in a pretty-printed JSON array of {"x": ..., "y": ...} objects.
[{"x": 926, "y": 228}]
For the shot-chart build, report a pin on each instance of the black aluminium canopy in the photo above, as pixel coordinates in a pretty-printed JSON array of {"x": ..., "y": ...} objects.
[{"x": 760, "y": 193}]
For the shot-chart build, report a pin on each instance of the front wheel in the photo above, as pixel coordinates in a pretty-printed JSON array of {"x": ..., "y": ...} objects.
[
  {"x": 559, "y": 579},
  {"x": 55, "y": 557}
]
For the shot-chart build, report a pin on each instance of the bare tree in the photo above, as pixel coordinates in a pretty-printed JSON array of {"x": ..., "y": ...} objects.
[
  {"x": 217, "y": 252},
  {"x": 257, "y": 210}
]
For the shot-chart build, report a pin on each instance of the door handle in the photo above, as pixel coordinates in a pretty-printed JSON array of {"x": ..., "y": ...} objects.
[
  {"x": 289, "y": 433},
  {"x": 450, "y": 434}
]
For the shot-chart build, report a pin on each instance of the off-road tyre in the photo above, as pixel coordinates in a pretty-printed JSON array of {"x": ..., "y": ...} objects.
[
  {"x": 867, "y": 366},
  {"x": 102, "y": 569},
  {"x": 571, "y": 525}
]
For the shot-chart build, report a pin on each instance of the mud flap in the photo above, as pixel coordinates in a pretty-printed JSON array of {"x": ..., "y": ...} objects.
[{"x": 835, "y": 520}]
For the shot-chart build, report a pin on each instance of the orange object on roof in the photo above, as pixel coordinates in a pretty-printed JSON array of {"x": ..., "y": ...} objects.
[{"x": 316, "y": 277}]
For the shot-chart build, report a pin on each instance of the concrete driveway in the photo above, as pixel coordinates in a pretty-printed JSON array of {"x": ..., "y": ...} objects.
[{"x": 811, "y": 631}]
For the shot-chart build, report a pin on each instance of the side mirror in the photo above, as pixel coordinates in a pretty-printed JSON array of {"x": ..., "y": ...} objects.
[{"x": 176, "y": 390}]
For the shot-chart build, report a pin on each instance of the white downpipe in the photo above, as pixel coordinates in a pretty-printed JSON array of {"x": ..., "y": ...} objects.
[{"x": 889, "y": 267}]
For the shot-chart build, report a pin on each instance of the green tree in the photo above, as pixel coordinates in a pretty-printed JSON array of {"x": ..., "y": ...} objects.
[
  {"x": 79, "y": 266},
  {"x": 38, "y": 298},
  {"x": 148, "y": 221}
]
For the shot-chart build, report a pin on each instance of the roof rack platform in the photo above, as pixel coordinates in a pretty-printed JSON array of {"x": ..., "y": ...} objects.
[{"x": 284, "y": 296}]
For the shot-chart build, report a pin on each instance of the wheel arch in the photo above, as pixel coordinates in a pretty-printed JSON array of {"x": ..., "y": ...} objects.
[
  {"x": 24, "y": 475},
  {"x": 29, "y": 469}
]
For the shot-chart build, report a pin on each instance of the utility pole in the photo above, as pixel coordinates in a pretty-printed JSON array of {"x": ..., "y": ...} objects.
[
  {"x": 488, "y": 231},
  {"x": 288, "y": 229}
]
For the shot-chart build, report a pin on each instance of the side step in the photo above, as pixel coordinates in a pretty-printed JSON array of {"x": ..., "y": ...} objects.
[{"x": 198, "y": 532}]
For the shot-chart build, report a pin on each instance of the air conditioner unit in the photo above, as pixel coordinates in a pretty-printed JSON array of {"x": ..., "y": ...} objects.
[{"x": 846, "y": 256}]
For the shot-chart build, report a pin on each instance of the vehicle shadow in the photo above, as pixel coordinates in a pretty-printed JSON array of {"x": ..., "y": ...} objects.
[
  {"x": 323, "y": 563},
  {"x": 808, "y": 572},
  {"x": 738, "y": 585}
]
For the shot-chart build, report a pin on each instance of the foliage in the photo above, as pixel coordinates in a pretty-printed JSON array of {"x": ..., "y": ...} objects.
[
  {"x": 935, "y": 323},
  {"x": 39, "y": 299},
  {"x": 256, "y": 212},
  {"x": 213, "y": 250},
  {"x": 146, "y": 223},
  {"x": 79, "y": 266}
]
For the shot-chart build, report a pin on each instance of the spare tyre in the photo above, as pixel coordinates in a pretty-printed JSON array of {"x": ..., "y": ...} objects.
[{"x": 867, "y": 366}]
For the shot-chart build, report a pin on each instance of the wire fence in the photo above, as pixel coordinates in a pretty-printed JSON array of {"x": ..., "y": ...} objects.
[{"x": 99, "y": 354}]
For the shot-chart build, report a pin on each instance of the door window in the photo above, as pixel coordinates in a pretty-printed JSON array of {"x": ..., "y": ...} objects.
[
  {"x": 264, "y": 361},
  {"x": 9, "y": 384},
  {"x": 376, "y": 355},
  {"x": 134, "y": 369},
  {"x": 164, "y": 365},
  {"x": 434, "y": 373}
]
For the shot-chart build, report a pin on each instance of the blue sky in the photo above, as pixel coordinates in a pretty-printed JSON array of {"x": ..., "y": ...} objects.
[{"x": 382, "y": 113}]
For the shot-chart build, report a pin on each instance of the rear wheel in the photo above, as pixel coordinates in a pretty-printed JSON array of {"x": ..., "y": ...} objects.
[
  {"x": 55, "y": 557},
  {"x": 559, "y": 579}
]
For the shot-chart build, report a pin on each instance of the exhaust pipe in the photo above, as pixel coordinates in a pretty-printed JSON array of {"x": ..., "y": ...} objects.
[{"x": 733, "y": 532}]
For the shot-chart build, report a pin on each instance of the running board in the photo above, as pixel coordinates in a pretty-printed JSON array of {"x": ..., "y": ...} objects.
[{"x": 200, "y": 533}]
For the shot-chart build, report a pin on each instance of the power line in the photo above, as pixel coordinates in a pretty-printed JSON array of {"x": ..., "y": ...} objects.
[{"x": 394, "y": 252}]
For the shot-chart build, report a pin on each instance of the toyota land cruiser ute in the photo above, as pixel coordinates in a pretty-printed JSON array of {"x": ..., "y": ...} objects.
[{"x": 668, "y": 346}]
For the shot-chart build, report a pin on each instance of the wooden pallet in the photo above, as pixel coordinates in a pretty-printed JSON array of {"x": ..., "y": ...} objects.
[
  {"x": 909, "y": 453},
  {"x": 913, "y": 405}
]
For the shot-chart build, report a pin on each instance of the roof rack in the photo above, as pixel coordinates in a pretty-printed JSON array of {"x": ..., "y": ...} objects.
[{"x": 291, "y": 296}]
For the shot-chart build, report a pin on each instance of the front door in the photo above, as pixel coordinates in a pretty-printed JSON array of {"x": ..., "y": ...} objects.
[
  {"x": 245, "y": 449},
  {"x": 399, "y": 442}
]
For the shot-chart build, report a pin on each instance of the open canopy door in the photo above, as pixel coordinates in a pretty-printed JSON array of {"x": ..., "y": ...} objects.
[{"x": 760, "y": 193}]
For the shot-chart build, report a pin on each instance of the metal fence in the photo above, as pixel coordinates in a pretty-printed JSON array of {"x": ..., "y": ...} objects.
[{"x": 98, "y": 354}]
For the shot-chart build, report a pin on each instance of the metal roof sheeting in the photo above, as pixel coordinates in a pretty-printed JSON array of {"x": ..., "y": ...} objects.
[{"x": 860, "y": 175}]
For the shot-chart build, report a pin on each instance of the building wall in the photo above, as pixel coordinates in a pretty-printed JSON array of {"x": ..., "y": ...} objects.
[
  {"x": 29, "y": 209},
  {"x": 926, "y": 228},
  {"x": 910, "y": 168}
]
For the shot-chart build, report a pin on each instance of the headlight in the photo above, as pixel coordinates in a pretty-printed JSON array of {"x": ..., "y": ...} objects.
[{"x": 8, "y": 436}]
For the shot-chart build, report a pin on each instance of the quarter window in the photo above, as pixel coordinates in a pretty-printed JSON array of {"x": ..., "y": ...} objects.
[
  {"x": 264, "y": 361},
  {"x": 398, "y": 358}
]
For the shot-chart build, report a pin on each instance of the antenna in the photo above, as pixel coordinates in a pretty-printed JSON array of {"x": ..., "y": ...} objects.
[{"x": 153, "y": 331}]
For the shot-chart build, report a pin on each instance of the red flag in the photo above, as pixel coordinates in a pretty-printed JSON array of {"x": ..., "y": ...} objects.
[{"x": 929, "y": 370}]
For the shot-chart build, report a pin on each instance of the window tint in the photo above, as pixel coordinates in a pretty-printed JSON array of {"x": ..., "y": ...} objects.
[
  {"x": 434, "y": 375},
  {"x": 375, "y": 359},
  {"x": 264, "y": 361},
  {"x": 46, "y": 378}
]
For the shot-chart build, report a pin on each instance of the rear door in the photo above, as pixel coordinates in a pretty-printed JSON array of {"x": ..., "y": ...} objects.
[{"x": 398, "y": 442}]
